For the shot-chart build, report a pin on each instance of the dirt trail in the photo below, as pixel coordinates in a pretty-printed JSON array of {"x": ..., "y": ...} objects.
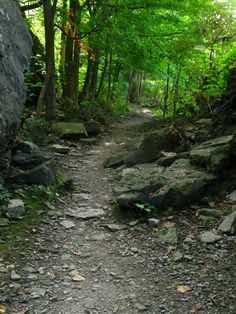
[{"x": 80, "y": 266}]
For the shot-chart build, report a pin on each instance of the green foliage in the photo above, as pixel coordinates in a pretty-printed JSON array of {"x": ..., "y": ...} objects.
[
  {"x": 5, "y": 195},
  {"x": 147, "y": 208},
  {"x": 194, "y": 39}
]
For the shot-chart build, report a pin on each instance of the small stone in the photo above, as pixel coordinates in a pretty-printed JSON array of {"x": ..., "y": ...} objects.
[
  {"x": 67, "y": 224},
  {"x": 65, "y": 257},
  {"x": 210, "y": 212},
  {"x": 116, "y": 227},
  {"x": 14, "y": 276},
  {"x": 134, "y": 250},
  {"x": 29, "y": 269},
  {"x": 228, "y": 225},
  {"x": 31, "y": 278},
  {"x": 86, "y": 213},
  {"x": 209, "y": 237},
  {"x": 4, "y": 222},
  {"x": 60, "y": 149},
  {"x": 153, "y": 222},
  {"x": 37, "y": 292},
  {"x": 232, "y": 197},
  {"x": 177, "y": 256},
  {"x": 133, "y": 223},
  {"x": 3, "y": 270},
  {"x": 169, "y": 237},
  {"x": 15, "y": 209},
  {"x": 140, "y": 307}
]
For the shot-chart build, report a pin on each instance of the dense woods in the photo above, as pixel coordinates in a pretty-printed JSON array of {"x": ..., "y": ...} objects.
[{"x": 173, "y": 56}]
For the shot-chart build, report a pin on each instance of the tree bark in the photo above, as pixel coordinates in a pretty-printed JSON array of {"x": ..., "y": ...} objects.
[
  {"x": 50, "y": 93},
  {"x": 167, "y": 90}
]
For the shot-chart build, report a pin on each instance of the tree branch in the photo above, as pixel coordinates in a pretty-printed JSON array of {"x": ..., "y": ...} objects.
[{"x": 32, "y": 6}]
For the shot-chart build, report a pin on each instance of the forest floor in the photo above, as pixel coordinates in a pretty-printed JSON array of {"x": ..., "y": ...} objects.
[{"x": 114, "y": 264}]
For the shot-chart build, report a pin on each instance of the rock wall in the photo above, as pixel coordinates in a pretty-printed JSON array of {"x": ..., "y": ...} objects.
[{"x": 15, "y": 51}]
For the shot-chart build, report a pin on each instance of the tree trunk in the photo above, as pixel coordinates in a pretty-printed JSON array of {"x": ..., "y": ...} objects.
[
  {"x": 131, "y": 76},
  {"x": 95, "y": 66},
  {"x": 50, "y": 93},
  {"x": 103, "y": 75},
  {"x": 72, "y": 54},
  {"x": 140, "y": 85},
  {"x": 109, "y": 88},
  {"x": 176, "y": 92},
  {"x": 167, "y": 90},
  {"x": 85, "y": 90}
]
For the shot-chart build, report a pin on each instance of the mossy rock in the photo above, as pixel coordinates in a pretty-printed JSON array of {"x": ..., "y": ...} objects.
[{"x": 70, "y": 130}]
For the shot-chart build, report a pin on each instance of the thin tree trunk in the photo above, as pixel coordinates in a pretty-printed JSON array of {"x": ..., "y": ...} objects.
[
  {"x": 50, "y": 93},
  {"x": 103, "y": 75},
  {"x": 85, "y": 89},
  {"x": 176, "y": 93},
  {"x": 109, "y": 89},
  {"x": 140, "y": 85},
  {"x": 167, "y": 90},
  {"x": 131, "y": 76},
  {"x": 93, "y": 88}
]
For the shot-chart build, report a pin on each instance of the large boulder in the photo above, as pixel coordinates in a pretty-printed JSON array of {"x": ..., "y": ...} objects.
[
  {"x": 173, "y": 186},
  {"x": 151, "y": 146},
  {"x": 215, "y": 154},
  {"x": 31, "y": 160},
  {"x": 15, "y": 51},
  {"x": 70, "y": 130}
]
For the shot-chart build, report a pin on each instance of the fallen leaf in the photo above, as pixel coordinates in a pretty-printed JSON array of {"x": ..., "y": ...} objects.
[
  {"x": 196, "y": 307},
  {"x": 78, "y": 278},
  {"x": 21, "y": 312},
  {"x": 169, "y": 224},
  {"x": 2, "y": 309},
  {"x": 183, "y": 289}
]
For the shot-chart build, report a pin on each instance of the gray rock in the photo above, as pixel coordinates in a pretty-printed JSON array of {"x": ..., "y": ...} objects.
[
  {"x": 27, "y": 147},
  {"x": 3, "y": 270},
  {"x": 43, "y": 174},
  {"x": 14, "y": 276},
  {"x": 89, "y": 141},
  {"x": 85, "y": 213},
  {"x": 60, "y": 149},
  {"x": 150, "y": 148},
  {"x": 153, "y": 222},
  {"x": 169, "y": 236},
  {"x": 167, "y": 158},
  {"x": 210, "y": 212},
  {"x": 15, "y": 209},
  {"x": 31, "y": 160},
  {"x": 232, "y": 197},
  {"x": 214, "y": 154},
  {"x": 37, "y": 292},
  {"x": 228, "y": 225},
  {"x": 209, "y": 237},
  {"x": 70, "y": 130},
  {"x": 93, "y": 127},
  {"x": 67, "y": 224},
  {"x": 173, "y": 186},
  {"x": 5, "y": 159},
  {"x": 15, "y": 51},
  {"x": 4, "y": 222},
  {"x": 114, "y": 161},
  {"x": 116, "y": 227}
]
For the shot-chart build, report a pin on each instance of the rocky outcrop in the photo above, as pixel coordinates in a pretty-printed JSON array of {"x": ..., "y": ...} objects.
[
  {"x": 173, "y": 186},
  {"x": 215, "y": 154},
  {"x": 151, "y": 146},
  {"x": 15, "y": 51}
]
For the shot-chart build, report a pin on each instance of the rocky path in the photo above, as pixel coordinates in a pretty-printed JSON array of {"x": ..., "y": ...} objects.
[{"x": 83, "y": 259}]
